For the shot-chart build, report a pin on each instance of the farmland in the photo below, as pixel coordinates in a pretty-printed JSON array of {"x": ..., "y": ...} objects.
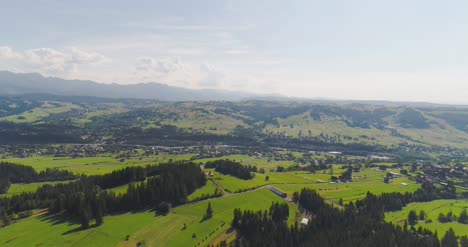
[
  {"x": 343, "y": 152},
  {"x": 141, "y": 226},
  {"x": 91, "y": 165},
  {"x": 432, "y": 210}
]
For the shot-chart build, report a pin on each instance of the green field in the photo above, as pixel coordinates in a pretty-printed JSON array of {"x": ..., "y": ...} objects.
[
  {"x": 31, "y": 187},
  {"x": 143, "y": 226},
  {"x": 92, "y": 165},
  {"x": 208, "y": 189},
  {"x": 55, "y": 231},
  {"x": 369, "y": 180},
  {"x": 433, "y": 209},
  {"x": 259, "y": 162}
]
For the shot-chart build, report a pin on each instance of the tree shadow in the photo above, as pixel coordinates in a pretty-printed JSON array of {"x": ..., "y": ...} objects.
[
  {"x": 56, "y": 219},
  {"x": 205, "y": 218},
  {"x": 79, "y": 229}
]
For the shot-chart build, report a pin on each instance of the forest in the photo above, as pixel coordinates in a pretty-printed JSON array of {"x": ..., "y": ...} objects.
[{"x": 166, "y": 184}]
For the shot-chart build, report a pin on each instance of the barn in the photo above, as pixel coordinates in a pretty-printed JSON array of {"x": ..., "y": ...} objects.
[{"x": 278, "y": 192}]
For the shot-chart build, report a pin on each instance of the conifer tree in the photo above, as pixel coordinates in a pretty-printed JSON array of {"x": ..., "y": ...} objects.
[{"x": 449, "y": 239}]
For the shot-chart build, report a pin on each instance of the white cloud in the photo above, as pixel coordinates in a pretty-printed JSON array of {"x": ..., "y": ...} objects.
[
  {"x": 48, "y": 61},
  {"x": 174, "y": 71},
  {"x": 170, "y": 70}
]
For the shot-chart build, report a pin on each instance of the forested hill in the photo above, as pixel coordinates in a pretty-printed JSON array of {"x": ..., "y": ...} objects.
[{"x": 362, "y": 127}]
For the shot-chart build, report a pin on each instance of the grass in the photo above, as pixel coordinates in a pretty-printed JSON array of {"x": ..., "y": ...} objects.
[
  {"x": 208, "y": 189},
  {"x": 366, "y": 181},
  {"x": 92, "y": 165},
  {"x": 167, "y": 230},
  {"x": 259, "y": 162},
  {"x": 49, "y": 230},
  {"x": 295, "y": 179},
  {"x": 433, "y": 209},
  {"x": 233, "y": 184},
  {"x": 31, "y": 187}
]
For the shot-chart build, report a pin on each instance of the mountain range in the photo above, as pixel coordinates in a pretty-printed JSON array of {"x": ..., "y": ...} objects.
[{"x": 34, "y": 83}]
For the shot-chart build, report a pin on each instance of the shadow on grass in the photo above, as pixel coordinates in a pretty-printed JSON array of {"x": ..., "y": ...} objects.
[
  {"x": 56, "y": 219},
  {"x": 78, "y": 229},
  {"x": 205, "y": 218}
]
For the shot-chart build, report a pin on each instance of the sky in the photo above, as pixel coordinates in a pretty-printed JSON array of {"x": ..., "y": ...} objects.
[{"x": 400, "y": 50}]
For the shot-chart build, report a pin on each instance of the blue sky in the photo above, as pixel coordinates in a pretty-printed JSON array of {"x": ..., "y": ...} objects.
[{"x": 382, "y": 50}]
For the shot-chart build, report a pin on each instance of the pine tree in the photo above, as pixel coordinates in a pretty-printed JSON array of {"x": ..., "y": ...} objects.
[
  {"x": 422, "y": 215},
  {"x": 449, "y": 240},
  {"x": 5, "y": 219},
  {"x": 99, "y": 213},
  {"x": 84, "y": 217},
  {"x": 464, "y": 241},
  {"x": 412, "y": 218},
  {"x": 463, "y": 218}
]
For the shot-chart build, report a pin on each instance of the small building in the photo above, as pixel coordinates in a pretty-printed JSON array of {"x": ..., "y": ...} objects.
[
  {"x": 304, "y": 222},
  {"x": 278, "y": 192}
]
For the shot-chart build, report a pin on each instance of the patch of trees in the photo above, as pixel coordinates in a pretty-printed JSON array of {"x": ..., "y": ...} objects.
[
  {"x": 233, "y": 168},
  {"x": 87, "y": 200},
  {"x": 356, "y": 225},
  {"x": 450, "y": 217},
  {"x": 411, "y": 118},
  {"x": 14, "y": 105},
  {"x": 125, "y": 176},
  {"x": 414, "y": 217},
  {"x": 17, "y": 173},
  {"x": 22, "y": 133},
  {"x": 458, "y": 119},
  {"x": 4, "y": 185}
]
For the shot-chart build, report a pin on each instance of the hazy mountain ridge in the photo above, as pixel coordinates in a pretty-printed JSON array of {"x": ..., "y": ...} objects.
[
  {"x": 33, "y": 83},
  {"x": 12, "y": 84}
]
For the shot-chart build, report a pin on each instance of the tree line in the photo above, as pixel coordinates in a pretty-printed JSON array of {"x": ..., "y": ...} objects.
[
  {"x": 359, "y": 224},
  {"x": 233, "y": 168},
  {"x": 16, "y": 173}
]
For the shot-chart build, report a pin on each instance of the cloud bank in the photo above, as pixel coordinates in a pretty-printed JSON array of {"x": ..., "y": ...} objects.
[{"x": 48, "y": 61}]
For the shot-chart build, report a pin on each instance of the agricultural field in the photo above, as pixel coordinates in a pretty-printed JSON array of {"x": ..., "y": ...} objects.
[
  {"x": 92, "y": 165},
  {"x": 31, "y": 187},
  {"x": 432, "y": 210},
  {"x": 368, "y": 180},
  {"x": 259, "y": 162},
  {"x": 168, "y": 230},
  {"x": 141, "y": 226},
  {"x": 47, "y": 230},
  {"x": 208, "y": 189}
]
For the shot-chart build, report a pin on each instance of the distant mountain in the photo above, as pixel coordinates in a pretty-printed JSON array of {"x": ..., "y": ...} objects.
[{"x": 33, "y": 83}]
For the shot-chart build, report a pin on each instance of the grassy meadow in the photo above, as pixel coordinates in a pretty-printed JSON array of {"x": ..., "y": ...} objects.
[
  {"x": 46, "y": 230},
  {"x": 432, "y": 210},
  {"x": 92, "y": 165}
]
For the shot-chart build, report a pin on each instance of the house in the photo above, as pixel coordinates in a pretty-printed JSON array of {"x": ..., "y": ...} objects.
[{"x": 304, "y": 222}]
